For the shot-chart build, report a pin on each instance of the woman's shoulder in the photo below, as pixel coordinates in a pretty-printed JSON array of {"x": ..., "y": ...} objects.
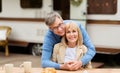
[{"x": 59, "y": 44}]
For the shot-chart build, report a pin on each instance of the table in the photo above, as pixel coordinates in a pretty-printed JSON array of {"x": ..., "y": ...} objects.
[{"x": 96, "y": 70}]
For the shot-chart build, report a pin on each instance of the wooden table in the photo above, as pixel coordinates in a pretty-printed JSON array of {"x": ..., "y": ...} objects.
[{"x": 98, "y": 70}]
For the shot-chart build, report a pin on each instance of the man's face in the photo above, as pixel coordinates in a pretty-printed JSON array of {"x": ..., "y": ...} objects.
[{"x": 58, "y": 27}]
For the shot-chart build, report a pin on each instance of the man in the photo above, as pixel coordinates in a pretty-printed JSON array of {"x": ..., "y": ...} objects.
[{"x": 56, "y": 30}]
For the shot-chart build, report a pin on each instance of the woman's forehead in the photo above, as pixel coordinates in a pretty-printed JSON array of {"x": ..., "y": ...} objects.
[{"x": 71, "y": 28}]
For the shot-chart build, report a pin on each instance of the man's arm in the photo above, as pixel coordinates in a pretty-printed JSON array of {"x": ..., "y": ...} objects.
[
  {"x": 91, "y": 49},
  {"x": 47, "y": 49}
]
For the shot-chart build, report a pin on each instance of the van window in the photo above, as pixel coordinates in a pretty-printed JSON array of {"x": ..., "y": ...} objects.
[
  {"x": 102, "y": 6},
  {"x": 63, "y": 7},
  {"x": 31, "y": 3},
  {"x": 57, "y": 4},
  {"x": 0, "y": 5}
]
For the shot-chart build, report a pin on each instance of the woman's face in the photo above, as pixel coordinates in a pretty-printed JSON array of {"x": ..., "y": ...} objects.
[{"x": 72, "y": 35}]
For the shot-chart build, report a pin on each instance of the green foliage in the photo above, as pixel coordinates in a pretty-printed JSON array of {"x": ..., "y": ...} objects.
[{"x": 76, "y": 2}]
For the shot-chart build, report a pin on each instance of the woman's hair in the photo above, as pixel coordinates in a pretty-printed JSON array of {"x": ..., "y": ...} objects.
[
  {"x": 50, "y": 18},
  {"x": 74, "y": 26}
]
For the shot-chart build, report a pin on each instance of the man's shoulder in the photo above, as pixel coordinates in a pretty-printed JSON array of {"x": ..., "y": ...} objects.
[
  {"x": 75, "y": 21},
  {"x": 66, "y": 21},
  {"x": 59, "y": 45},
  {"x": 50, "y": 33}
]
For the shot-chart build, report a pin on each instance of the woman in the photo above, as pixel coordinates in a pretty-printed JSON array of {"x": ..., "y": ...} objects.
[{"x": 71, "y": 47}]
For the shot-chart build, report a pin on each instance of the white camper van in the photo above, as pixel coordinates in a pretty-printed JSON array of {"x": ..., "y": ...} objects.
[{"x": 101, "y": 18}]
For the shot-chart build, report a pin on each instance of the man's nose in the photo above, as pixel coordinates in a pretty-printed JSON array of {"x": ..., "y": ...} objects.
[{"x": 59, "y": 28}]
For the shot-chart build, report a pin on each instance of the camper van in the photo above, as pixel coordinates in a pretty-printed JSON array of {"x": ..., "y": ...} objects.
[{"x": 101, "y": 18}]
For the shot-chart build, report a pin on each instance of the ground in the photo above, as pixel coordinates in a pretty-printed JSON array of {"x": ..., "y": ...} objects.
[
  {"x": 19, "y": 54},
  {"x": 18, "y": 59}
]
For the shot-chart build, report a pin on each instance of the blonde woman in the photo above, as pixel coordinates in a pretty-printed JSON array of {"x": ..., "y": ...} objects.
[{"x": 71, "y": 47}]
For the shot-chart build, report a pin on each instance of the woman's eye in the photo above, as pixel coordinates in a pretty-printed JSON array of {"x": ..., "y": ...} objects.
[
  {"x": 74, "y": 31},
  {"x": 68, "y": 32}
]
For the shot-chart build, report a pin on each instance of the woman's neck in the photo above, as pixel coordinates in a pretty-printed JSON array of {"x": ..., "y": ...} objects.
[{"x": 71, "y": 45}]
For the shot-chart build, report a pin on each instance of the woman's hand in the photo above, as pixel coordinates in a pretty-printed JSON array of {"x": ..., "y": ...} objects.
[
  {"x": 74, "y": 65},
  {"x": 71, "y": 65}
]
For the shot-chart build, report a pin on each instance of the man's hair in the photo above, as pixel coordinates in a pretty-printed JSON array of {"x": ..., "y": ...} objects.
[{"x": 50, "y": 18}]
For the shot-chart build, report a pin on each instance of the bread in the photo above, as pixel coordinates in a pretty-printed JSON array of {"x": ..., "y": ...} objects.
[{"x": 49, "y": 70}]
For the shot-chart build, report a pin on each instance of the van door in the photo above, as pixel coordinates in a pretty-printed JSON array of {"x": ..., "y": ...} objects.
[{"x": 78, "y": 10}]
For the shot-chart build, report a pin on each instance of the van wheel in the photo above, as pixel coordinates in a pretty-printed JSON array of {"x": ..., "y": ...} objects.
[{"x": 35, "y": 49}]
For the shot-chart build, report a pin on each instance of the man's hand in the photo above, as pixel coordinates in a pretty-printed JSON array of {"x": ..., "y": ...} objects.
[
  {"x": 65, "y": 66},
  {"x": 74, "y": 65},
  {"x": 71, "y": 65}
]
